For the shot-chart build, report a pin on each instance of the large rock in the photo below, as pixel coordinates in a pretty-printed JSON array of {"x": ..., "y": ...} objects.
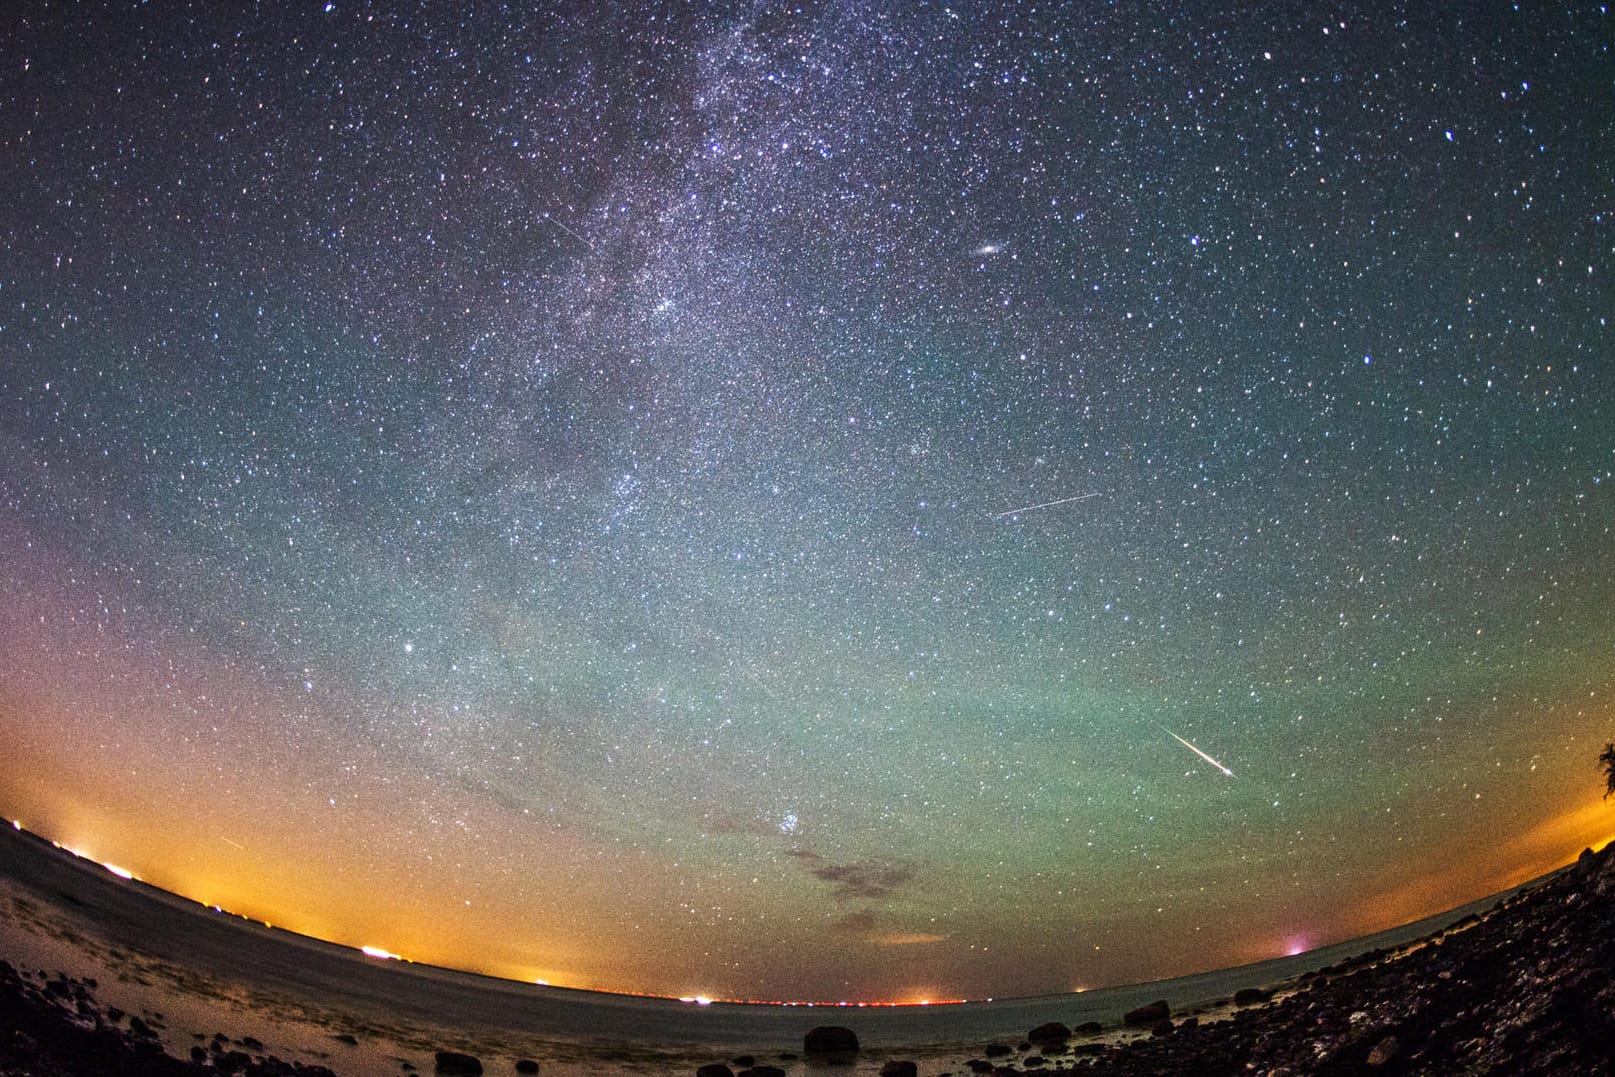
[
  {"x": 830, "y": 1043},
  {"x": 1052, "y": 1032},
  {"x": 714, "y": 1069},
  {"x": 1150, "y": 1013},
  {"x": 898, "y": 1068},
  {"x": 1384, "y": 1051},
  {"x": 455, "y": 1064},
  {"x": 1600, "y": 867},
  {"x": 1251, "y": 996}
]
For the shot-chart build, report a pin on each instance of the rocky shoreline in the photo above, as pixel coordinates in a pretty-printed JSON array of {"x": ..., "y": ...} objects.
[
  {"x": 1528, "y": 988},
  {"x": 54, "y": 1027}
]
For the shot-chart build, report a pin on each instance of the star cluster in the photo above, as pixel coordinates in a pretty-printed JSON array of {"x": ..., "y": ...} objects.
[{"x": 761, "y": 500}]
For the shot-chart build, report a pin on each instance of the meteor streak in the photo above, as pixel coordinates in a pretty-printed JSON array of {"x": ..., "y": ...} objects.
[
  {"x": 1045, "y": 505},
  {"x": 568, "y": 231},
  {"x": 1198, "y": 752}
]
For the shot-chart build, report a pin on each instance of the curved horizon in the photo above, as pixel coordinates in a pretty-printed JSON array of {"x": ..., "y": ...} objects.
[
  {"x": 840, "y": 502},
  {"x": 134, "y": 926}
]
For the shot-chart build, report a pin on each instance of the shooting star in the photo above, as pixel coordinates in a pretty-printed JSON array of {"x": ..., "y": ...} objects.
[
  {"x": 1044, "y": 505},
  {"x": 227, "y": 841},
  {"x": 1198, "y": 752},
  {"x": 582, "y": 239}
]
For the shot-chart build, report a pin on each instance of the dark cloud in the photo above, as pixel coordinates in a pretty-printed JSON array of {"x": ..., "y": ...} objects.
[{"x": 874, "y": 878}]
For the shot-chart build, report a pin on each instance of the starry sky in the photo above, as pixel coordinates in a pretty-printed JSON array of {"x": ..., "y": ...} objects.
[{"x": 838, "y": 501}]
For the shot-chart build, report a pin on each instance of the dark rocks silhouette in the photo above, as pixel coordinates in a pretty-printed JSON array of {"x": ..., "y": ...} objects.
[
  {"x": 455, "y": 1064},
  {"x": 1524, "y": 989},
  {"x": 1151, "y": 1013},
  {"x": 830, "y": 1043},
  {"x": 1050, "y": 1032},
  {"x": 55, "y": 1028}
]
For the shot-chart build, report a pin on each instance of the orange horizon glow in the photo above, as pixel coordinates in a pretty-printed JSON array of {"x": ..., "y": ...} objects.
[
  {"x": 383, "y": 954},
  {"x": 1571, "y": 821}
]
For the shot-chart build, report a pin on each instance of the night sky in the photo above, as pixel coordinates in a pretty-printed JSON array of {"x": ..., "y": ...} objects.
[{"x": 774, "y": 502}]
